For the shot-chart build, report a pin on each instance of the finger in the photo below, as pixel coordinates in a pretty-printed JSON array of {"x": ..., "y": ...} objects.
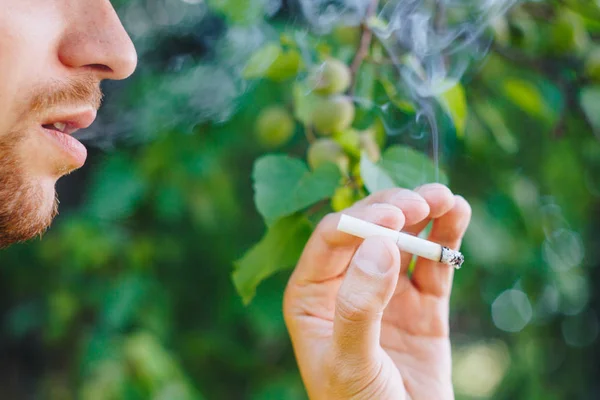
[
  {"x": 433, "y": 277},
  {"x": 412, "y": 204},
  {"x": 328, "y": 251},
  {"x": 365, "y": 292},
  {"x": 416, "y": 207},
  {"x": 440, "y": 200}
]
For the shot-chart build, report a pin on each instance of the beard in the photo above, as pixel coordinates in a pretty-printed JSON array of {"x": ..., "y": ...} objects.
[
  {"x": 25, "y": 211},
  {"x": 28, "y": 201}
]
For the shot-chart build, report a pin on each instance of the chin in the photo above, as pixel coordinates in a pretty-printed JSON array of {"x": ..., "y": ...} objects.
[
  {"x": 48, "y": 201},
  {"x": 28, "y": 211}
]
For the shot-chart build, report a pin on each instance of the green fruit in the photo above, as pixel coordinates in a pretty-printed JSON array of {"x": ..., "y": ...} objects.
[
  {"x": 333, "y": 114},
  {"x": 349, "y": 139},
  {"x": 592, "y": 65},
  {"x": 569, "y": 34},
  {"x": 343, "y": 197},
  {"x": 274, "y": 63},
  {"x": 331, "y": 77},
  {"x": 324, "y": 151},
  {"x": 274, "y": 127},
  {"x": 286, "y": 66}
]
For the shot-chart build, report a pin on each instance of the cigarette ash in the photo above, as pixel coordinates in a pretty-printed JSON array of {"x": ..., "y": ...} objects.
[{"x": 452, "y": 257}]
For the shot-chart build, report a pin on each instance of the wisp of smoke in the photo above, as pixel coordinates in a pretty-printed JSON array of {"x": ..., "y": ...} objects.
[{"x": 431, "y": 42}]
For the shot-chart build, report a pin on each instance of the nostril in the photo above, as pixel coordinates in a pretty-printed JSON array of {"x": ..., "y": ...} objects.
[{"x": 101, "y": 67}]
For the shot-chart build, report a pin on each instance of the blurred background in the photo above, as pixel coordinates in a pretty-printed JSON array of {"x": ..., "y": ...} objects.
[{"x": 130, "y": 294}]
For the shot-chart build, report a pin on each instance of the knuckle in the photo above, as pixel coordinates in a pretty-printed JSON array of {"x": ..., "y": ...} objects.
[
  {"x": 328, "y": 221},
  {"x": 354, "y": 308},
  {"x": 327, "y": 224},
  {"x": 348, "y": 378}
]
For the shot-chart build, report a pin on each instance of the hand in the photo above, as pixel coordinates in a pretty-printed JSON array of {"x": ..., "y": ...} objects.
[{"x": 361, "y": 328}]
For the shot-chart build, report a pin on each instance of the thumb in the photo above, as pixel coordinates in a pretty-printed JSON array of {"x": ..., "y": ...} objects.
[{"x": 365, "y": 292}]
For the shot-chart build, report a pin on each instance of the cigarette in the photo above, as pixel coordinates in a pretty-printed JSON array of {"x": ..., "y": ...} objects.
[{"x": 409, "y": 243}]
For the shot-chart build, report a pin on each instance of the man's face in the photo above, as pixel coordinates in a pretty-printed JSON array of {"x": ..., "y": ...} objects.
[{"x": 53, "y": 56}]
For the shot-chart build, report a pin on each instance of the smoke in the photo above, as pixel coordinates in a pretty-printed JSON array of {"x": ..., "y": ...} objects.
[
  {"x": 189, "y": 73},
  {"x": 191, "y": 62},
  {"x": 323, "y": 14},
  {"x": 432, "y": 43}
]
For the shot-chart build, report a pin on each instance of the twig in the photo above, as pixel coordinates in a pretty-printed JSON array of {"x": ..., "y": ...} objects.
[
  {"x": 439, "y": 23},
  {"x": 365, "y": 43},
  {"x": 317, "y": 207},
  {"x": 310, "y": 135}
]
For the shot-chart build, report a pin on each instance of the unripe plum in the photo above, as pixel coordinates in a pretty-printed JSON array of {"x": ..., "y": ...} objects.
[
  {"x": 286, "y": 66},
  {"x": 343, "y": 197},
  {"x": 331, "y": 77},
  {"x": 333, "y": 114},
  {"x": 327, "y": 150},
  {"x": 274, "y": 127}
]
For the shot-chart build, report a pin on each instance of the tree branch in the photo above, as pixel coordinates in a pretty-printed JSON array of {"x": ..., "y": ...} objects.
[{"x": 365, "y": 44}]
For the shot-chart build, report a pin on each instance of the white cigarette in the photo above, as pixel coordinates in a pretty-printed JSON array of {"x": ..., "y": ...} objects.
[{"x": 409, "y": 243}]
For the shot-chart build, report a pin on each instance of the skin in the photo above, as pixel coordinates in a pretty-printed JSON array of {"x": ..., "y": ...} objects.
[
  {"x": 361, "y": 328},
  {"x": 54, "y": 53}
]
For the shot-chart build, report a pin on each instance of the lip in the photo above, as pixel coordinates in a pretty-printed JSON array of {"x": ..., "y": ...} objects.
[
  {"x": 74, "y": 150},
  {"x": 74, "y": 120}
]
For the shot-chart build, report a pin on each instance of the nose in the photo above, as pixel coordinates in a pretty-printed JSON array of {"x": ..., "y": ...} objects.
[{"x": 95, "y": 39}]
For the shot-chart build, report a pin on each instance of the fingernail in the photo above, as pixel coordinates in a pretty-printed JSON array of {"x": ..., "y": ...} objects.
[
  {"x": 386, "y": 209},
  {"x": 404, "y": 195},
  {"x": 373, "y": 256}
]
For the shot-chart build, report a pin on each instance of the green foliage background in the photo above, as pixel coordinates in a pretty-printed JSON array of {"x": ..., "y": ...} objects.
[{"x": 131, "y": 294}]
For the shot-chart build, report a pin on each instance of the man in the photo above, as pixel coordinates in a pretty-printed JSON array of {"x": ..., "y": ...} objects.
[{"x": 361, "y": 329}]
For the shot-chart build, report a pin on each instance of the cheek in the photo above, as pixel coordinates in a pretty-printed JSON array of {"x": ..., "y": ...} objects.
[
  {"x": 9, "y": 79},
  {"x": 28, "y": 40}
]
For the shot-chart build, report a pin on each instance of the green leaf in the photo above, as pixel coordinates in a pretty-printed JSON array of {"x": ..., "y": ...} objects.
[
  {"x": 395, "y": 96},
  {"x": 261, "y": 61},
  {"x": 279, "y": 249},
  {"x": 244, "y": 12},
  {"x": 497, "y": 126},
  {"x": 122, "y": 303},
  {"x": 454, "y": 102},
  {"x": 365, "y": 82},
  {"x": 399, "y": 166},
  {"x": 284, "y": 185},
  {"x": 528, "y": 97},
  {"x": 590, "y": 103},
  {"x": 117, "y": 189}
]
